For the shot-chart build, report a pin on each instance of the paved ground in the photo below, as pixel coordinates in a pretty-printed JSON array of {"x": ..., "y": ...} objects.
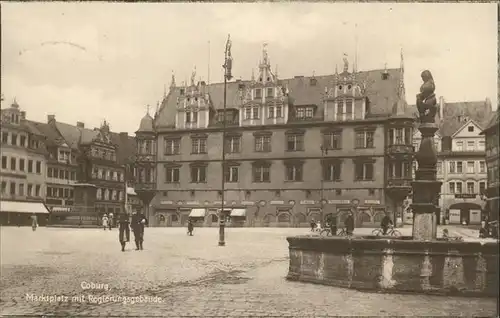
[{"x": 192, "y": 275}]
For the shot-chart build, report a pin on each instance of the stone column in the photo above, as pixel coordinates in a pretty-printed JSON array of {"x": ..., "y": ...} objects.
[{"x": 425, "y": 187}]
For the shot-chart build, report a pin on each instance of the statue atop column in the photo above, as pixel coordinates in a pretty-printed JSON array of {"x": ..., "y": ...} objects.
[{"x": 426, "y": 99}]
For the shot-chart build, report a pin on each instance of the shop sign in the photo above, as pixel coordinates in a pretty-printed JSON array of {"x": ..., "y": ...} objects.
[
  {"x": 249, "y": 203},
  {"x": 339, "y": 202},
  {"x": 306, "y": 202},
  {"x": 277, "y": 202},
  {"x": 220, "y": 202},
  {"x": 192, "y": 203},
  {"x": 465, "y": 196},
  {"x": 180, "y": 202},
  {"x": 372, "y": 201},
  {"x": 166, "y": 202}
]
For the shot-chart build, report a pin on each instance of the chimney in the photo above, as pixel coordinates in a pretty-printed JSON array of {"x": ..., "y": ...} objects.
[
  {"x": 441, "y": 107},
  {"x": 51, "y": 119},
  {"x": 23, "y": 115},
  {"x": 79, "y": 124}
]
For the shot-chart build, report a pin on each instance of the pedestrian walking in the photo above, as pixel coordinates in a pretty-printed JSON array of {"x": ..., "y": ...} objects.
[
  {"x": 333, "y": 225},
  {"x": 124, "y": 229},
  {"x": 34, "y": 221},
  {"x": 190, "y": 227},
  {"x": 313, "y": 225},
  {"x": 349, "y": 224},
  {"x": 138, "y": 223},
  {"x": 110, "y": 220},
  {"x": 104, "y": 222}
]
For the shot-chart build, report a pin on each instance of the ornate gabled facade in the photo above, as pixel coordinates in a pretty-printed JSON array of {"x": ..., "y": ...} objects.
[{"x": 296, "y": 149}]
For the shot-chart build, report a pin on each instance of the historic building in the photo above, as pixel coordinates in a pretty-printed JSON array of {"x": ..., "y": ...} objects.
[
  {"x": 62, "y": 168},
  {"x": 296, "y": 149},
  {"x": 461, "y": 166},
  {"x": 23, "y": 168},
  {"x": 493, "y": 164},
  {"x": 104, "y": 159}
]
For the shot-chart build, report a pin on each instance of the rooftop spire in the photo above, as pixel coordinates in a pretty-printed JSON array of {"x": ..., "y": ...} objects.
[
  {"x": 265, "y": 57},
  {"x": 172, "y": 82},
  {"x": 193, "y": 76}
]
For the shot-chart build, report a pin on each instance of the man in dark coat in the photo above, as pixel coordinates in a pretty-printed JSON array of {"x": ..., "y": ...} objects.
[
  {"x": 386, "y": 222},
  {"x": 349, "y": 224},
  {"x": 190, "y": 227},
  {"x": 124, "y": 230},
  {"x": 333, "y": 225},
  {"x": 138, "y": 222}
]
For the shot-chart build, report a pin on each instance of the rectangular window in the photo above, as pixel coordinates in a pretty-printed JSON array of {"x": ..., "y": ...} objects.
[
  {"x": 309, "y": 112},
  {"x": 66, "y": 175},
  {"x": 480, "y": 145},
  {"x": 332, "y": 171},
  {"x": 439, "y": 167},
  {"x": 30, "y": 166},
  {"x": 459, "y": 167},
  {"x": 29, "y": 191},
  {"x": 364, "y": 171},
  {"x": 231, "y": 173},
  {"x": 470, "y": 187},
  {"x": 482, "y": 167},
  {"x": 348, "y": 109},
  {"x": 470, "y": 145},
  {"x": 38, "y": 167},
  {"x": 4, "y": 187},
  {"x": 452, "y": 187},
  {"x": 482, "y": 187},
  {"x": 37, "y": 190},
  {"x": 452, "y": 167},
  {"x": 22, "y": 140},
  {"x": 198, "y": 174},
  {"x": 293, "y": 172},
  {"x": 198, "y": 145},
  {"x": 332, "y": 140},
  {"x": 300, "y": 113},
  {"x": 21, "y": 189},
  {"x": 255, "y": 112},
  {"x": 172, "y": 175},
  {"x": 61, "y": 174},
  {"x": 340, "y": 109},
  {"x": 364, "y": 139},
  {"x": 13, "y": 164},
  {"x": 459, "y": 187},
  {"x": 232, "y": 144},
  {"x": 470, "y": 167},
  {"x": 188, "y": 117},
  {"x": 248, "y": 113},
  {"x": 270, "y": 112},
  {"x": 14, "y": 139},
  {"x": 460, "y": 146},
  {"x": 261, "y": 173},
  {"x": 258, "y": 93},
  {"x": 270, "y": 92},
  {"x": 5, "y": 137},
  {"x": 12, "y": 188},
  {"x": 66, "y": 193},
  {"x": 279, "y": 111},
  {"x": 295, "y": 143},
  {"x": 4, "y": 162},
  {"x": 263, "y": 143}
]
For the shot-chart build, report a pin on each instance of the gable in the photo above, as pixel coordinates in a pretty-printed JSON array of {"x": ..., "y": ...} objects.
[{"x": 469, "y": 129}]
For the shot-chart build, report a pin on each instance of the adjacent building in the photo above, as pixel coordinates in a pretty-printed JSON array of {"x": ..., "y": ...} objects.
[
  {"x": 492, "y": 163},
  {"x": 296, "y": 149},
  {"x": 23, "y": 168},
  {"x": 461, "y": 166}
]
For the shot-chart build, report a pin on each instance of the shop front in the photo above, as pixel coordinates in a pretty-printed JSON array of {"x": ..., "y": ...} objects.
[{"x": 18, "y": 213}]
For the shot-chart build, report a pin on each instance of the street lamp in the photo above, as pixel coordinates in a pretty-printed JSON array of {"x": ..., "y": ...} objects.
[
  {"x": 228, "y": 61},
  {"x": 324, "y": 151}
]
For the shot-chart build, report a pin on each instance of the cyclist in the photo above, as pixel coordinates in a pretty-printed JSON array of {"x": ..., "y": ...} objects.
[{"x": 385, "y": 224}]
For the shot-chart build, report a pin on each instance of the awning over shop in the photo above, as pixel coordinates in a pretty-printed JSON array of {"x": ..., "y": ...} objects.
[
  {"x": 197, "y": 213},
  {"x": 238, "y": 212},
  {"x": 22, "y": 207},
  {"x": 61, "y": 209}
]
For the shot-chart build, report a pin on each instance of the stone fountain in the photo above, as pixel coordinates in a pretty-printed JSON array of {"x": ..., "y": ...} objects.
[{"x": 420, "y": 263}]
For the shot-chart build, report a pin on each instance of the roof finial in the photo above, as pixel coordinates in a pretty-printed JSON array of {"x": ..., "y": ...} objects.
[
  {"x": 265, "y": 58},
  {"x": 147, "y": 110},
  {"x": 346, "y": 63},
  {"x": 276, "y": 71},
  {"x": 172, "y": 82},
  {"x": 193, "y": 75},
  {"x": 14, "y": 103},
  {"x": 253, "y": 75}
]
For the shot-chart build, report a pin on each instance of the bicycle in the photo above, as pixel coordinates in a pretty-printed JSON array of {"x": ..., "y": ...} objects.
[
  {"x": 390, "y": 232},
  {"x": 343, "y": 232},
  {"x": 326, "y": 231}
]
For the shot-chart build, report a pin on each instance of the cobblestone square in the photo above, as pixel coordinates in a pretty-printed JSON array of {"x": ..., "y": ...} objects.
[{"x": 192, "y": 275}]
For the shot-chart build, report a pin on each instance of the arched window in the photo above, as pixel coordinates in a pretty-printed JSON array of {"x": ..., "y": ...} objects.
[{"x": 284, "y": 217}]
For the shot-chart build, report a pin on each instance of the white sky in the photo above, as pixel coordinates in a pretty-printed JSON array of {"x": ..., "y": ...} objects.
[{"x": 121, "y": 55}]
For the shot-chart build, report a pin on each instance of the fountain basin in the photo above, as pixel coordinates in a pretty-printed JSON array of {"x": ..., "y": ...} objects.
[{"x": 396, "y": 265}]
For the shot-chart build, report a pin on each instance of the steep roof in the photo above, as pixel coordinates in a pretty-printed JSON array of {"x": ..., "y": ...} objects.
[
  {"x": 493, "y": 123},
  {"x": 53, "y": 138},
  {"x": 75, "y": 135},
  {"x": 146, "y": 124},
  {"x": 456, "y": 114},
  {"x": 382, "y": 93}
]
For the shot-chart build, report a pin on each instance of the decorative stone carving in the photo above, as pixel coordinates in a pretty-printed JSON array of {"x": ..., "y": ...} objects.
[{"x": 426, "y": 99}]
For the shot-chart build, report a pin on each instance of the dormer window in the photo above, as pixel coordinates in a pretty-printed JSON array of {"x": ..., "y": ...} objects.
[
  {"x": 258, "y": 93},
  {"x": 270, "y": 92},
  {"x": 349, "y": 87},
  {"x": 304, "y": 113},
  {"x": 340, "y": 87}
]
